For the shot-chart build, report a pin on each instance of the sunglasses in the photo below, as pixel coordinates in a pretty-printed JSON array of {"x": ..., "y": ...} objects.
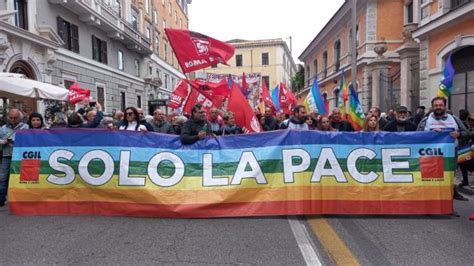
[{"x": 130, "y": 113}]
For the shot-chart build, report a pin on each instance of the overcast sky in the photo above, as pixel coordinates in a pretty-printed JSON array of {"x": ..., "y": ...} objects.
[{"x": 262, "y": 19}]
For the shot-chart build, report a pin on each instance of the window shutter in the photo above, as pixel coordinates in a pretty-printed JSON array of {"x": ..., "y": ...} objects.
[
  {"x": 103, "y": 47},
  {"x": 62, "y": 30},
  {"x": 74, "y": 38},
  {"x": 95, "y": 48}
]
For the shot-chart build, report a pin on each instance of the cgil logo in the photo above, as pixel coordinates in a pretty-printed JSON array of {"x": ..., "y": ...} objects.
[
  {"x": 431, "y": 164},
  {"x": 30, "y": 167}
]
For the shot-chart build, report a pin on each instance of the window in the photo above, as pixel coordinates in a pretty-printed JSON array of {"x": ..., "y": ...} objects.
[
  {"x": 155, "y": 17},
  {"x": 157, "y": 43},
  {"x": 120, "y": 60},
  {"x": 180, "y": 23},
  {"x": 150, "y": 70},
  {"x": 458, "y": 3},
  {"x": 265, "y": 59},
  {"x": 238, "y": 60},
  {"x": 172, "y": 58},
  {"x": 123, "y": 102},
  {"x": 147, "y": 6},
  {"x": 118, "y": 7},
  {"x": 175, "y": 17},
  {"x": 165, "y": 50},
  {"x": 266, "y": 79},
  {"x": 21, "y": 17},
  {"x": 315, "y": 68},
  {"x": 425, "y": 8},
  {"x": 99, "y": 50},
  {"x": 69, "y": 33},
  {"x": 134, "y": 22},
  {"x": 166, "y": 81},
  {"x": 308, "y": 76},
  {"x": 409, "y": 12},
  {"x": 148, "y": 34},
  {"x": 337, "y": 55},
  {"x": 139, "y": 101},
  {"x": 325, "y": 64},
  {"x": 137, "y": 68},
  {"x": 101, "y": 96}
]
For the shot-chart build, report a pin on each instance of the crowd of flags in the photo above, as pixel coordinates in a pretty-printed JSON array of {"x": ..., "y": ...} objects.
[{"x": 196, "y": 51}]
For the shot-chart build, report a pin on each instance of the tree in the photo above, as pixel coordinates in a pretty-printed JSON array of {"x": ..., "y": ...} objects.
[{"x": 297, "y": 82}]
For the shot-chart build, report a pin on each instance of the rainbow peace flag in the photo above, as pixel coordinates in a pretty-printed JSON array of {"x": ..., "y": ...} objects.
[
  {"x": 465, "y": 153},
  {"x": 343, "y": 97},
  {"x": 314, "y": 100},
  {"x": 446, "y": 85},
  {"x": 356, "y": 113}
]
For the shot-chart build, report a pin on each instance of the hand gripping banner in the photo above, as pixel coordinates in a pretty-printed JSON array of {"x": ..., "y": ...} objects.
[{"x": 119, "y": 173}]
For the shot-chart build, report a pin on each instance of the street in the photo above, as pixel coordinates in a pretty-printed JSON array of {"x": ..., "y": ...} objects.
[{"x": 370, "y": 240}]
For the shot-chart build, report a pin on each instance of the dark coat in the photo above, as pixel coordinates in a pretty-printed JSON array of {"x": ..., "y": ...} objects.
[
  {"x": 392, "y": 126},
  {"x": 190, "y": 130}
]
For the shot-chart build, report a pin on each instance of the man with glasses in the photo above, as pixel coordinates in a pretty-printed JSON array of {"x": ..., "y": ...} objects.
[
  {"x": 160, "y": 124},
  {"x": 196, "y": 128},
  {"x": 7, "y": 139}
]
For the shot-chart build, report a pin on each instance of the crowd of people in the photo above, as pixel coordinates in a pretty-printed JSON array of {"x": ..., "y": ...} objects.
[{"x": 197, "y": 125}]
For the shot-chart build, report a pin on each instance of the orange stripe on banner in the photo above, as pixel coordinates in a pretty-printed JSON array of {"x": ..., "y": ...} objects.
[
  {"x": 233, "y": 209},
  {"x": 163, "y": 196}
]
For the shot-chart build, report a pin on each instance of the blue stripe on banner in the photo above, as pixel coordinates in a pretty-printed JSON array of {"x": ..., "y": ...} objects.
[
  {"x": 107, "y": 138},
  {"x": 224, "y": 156}
]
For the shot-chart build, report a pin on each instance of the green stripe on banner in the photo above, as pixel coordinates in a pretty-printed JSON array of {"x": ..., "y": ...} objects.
[{"x": 268, "y": 166}]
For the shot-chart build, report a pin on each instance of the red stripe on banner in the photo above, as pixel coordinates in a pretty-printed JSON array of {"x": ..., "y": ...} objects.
[{"x": 234, "y": 209}]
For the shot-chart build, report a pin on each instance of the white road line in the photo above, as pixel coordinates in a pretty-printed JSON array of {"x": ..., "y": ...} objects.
[{"x": 304, "y": 242}]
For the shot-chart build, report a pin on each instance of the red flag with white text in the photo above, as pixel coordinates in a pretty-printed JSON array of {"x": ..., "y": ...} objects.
[
  {"x": 196, "y": 51},
  {"x": 196, "y": 97},
  {"x": 287, "y": 99},
  {"x": 77, "y": 94},
  {"x": 243, "y": 113},
  {"x": 179, "y": 94}
]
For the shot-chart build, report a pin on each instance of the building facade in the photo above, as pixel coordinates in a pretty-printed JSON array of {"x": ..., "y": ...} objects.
[
  {"x": 446, "y": 27},
  {"x": 106, "y": 46},
  {"x": 380, "y": 33},
  {"x": 271, "y": 58}
]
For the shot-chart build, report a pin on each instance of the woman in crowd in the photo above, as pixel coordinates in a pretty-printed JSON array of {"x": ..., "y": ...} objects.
[
  {"x": 131, "y": 120},
  {"x": 371, "y": 123},
  {"x": 311, "y": 124},
  {"x": 36, "y": 121},
  {"x": 324, "y": 124},
  {"x": 230, "y": 128}
]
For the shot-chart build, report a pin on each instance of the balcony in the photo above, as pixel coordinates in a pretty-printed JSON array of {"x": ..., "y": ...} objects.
[{"x": 105, "y": 17}]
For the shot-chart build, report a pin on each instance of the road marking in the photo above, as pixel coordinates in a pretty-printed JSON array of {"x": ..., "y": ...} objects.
[
  {"x": 304, "y": 241},
  {"x": 330, "y": 240}
]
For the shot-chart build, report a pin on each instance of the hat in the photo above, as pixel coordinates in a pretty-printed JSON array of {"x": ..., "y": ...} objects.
[
  {"x": 400, "y": 109},
  {"x": 421, "y": 107}
]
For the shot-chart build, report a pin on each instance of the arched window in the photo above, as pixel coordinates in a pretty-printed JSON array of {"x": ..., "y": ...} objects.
[
  {"x": 315, "y": 68},
  {"x": 337, "y": 55},
  {"x": 325, "y": 64}
]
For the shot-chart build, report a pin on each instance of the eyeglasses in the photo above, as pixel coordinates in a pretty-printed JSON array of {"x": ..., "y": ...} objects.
[
  {"x": 130, "y": 113},
  {"x": 201, "y": 112}
]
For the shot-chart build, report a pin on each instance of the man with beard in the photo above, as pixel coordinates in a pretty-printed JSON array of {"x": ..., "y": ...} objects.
[
  {"x": 440, "y": 121},
  {"x": 270, "y": 122},
  {"x": 298, "y": 120},
  {"x": 401, "y": 122},
  {"x": 197, "y": 127},
  {"x": 337, "y": 123}
]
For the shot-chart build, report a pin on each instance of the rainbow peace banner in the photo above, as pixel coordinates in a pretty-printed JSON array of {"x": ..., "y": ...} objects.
[{"x": 120, "y": 173}]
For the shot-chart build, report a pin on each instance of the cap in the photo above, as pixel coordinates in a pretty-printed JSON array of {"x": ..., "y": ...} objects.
[
  {"x": 421, "y": 107},
  {"x": 400, "y": 109}
]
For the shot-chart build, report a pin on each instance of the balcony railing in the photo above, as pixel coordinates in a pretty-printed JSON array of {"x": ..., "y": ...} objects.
[{"x": 458, "y": 3}]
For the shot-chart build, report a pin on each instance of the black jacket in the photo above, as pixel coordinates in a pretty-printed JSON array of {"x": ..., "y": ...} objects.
[
  {"x": 270, "y": 124},
  {"x": 392, "y": 126},
  {"x": 342, "y": 126},
  {"x": 190, "y": 130}
]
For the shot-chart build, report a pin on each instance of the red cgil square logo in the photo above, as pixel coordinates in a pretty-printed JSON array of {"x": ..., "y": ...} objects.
[
  {"x": 432, "y": 167},
  {"x": 30, "y": 170}
]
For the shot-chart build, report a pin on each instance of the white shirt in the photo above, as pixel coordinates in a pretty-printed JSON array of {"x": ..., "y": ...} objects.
[{"x": 132, "y": 126}]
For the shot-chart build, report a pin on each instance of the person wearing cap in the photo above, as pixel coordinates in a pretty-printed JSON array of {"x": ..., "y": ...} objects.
[{"x": 401, "y": 122}]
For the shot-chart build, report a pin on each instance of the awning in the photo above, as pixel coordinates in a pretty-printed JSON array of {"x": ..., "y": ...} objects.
[{"x": 20, "y": 85}]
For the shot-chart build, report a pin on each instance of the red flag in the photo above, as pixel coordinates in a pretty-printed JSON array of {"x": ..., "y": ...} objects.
[
  {"x": 243, "y": 113},
  {"x": 179, "y": 94},
  {"x": 76, "y": 94},
  {"x": 196, "y": 97},
  {"x": 196, "y": 51},
  {"x": 287, "y": 99},
  {"x": 265, "y": 96},
  {"x": 216, "y": 92}
]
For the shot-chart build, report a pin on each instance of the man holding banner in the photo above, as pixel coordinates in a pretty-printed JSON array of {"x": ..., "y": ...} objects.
[
  {"x": 440, "y": 121},
  {"x": 196, "y": 128}
]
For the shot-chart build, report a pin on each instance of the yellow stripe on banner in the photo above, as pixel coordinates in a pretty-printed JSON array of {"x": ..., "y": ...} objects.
[
  {"x": 275, "y": 180},
  {"x": 165, "y": 196},
  {"x": 331, "y": 242}
]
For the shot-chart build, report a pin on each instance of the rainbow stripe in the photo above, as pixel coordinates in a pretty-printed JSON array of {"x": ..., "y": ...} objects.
[
  {"x": 356, "y": 113},
  {"x": 446, "y": 84},
  {"x": 264, "y": 186}
]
